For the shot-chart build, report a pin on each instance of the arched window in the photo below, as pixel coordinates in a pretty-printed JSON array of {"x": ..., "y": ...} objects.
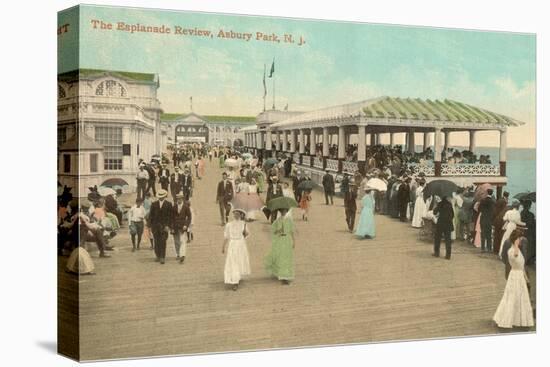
[
  {"x": 61, "y": 92},
  {"x": 110, "y": 88}
]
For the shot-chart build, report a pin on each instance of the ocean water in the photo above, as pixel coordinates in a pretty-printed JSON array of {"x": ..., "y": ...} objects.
[{"x": 521, "y": 168}]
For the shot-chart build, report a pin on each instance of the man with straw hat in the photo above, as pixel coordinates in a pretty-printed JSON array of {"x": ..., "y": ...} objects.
[
  {"x": 181, "y": 216},
  {"x": 160, "y": 221}
]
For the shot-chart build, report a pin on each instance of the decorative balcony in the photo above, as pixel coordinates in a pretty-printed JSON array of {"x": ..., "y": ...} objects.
[{"x": 306, "y": 160}]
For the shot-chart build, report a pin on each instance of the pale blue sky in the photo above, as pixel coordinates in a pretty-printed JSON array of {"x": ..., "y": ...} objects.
[{"x": 340, "y": 63}]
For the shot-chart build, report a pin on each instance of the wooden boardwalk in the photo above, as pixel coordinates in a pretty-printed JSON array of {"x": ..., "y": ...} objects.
[{"x": 346, "y": 290}]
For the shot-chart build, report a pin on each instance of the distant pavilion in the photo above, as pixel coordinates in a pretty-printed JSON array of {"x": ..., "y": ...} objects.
[{"x": 289, "y": 132}]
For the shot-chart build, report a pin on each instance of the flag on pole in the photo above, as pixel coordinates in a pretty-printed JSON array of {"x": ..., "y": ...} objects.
[
  {"x": 265, "y": 88},
  {"x": 272, "y": 68},
  {"x": 191, "y": 103}
]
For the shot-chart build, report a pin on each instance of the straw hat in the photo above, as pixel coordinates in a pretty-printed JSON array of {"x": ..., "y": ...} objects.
[{"x": 161, "y": 194}]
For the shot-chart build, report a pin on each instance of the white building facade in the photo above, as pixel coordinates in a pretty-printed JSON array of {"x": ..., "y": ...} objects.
[{"x": 118, "y": 110}]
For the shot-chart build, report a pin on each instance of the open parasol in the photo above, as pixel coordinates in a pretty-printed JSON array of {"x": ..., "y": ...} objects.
[
  {"x": 270, "y": 162},
  {"x": 377, "y": 184},
  {"x": 282, "y": 202},
  {"x": 246, "y": 202},
  {"x": 230, "y": 162},
  {"x": 106, "y": 191},
  {"x": 306, "y": 185},
  {"x": 441, "y": 188},
  {"x": 522, "y": 196}
]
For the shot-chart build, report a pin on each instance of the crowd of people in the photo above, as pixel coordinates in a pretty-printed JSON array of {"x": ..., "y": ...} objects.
[{"x": 505, "y": 227}]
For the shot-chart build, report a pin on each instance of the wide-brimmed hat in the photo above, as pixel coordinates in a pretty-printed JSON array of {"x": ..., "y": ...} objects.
[
  {"x": 240, "y": 211},
  {"x": 179, "y": 195},
  {"x": 161, "y": 194}
]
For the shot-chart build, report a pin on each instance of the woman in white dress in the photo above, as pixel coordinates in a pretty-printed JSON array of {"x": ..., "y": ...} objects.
[
  {"x": 515, "y": 309},
  {"x": 252, "y": 190},
  {"x": 512, "y": 218},
  {"x": 237, "y": 263},
  {"x": 420, "y": 207}
]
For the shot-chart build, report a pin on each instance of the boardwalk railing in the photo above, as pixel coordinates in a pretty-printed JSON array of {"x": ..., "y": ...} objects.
[
  {"x": 332, "y": 165},
  {"x": 306, "y": 160},
  {"x": 350, "y": 166}
]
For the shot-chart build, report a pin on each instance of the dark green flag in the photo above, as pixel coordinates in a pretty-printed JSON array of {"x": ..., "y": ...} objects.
[{"x": 272, "y": 69}]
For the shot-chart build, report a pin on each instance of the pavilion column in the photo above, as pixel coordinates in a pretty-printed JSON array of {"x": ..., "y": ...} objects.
[
  {"x": 285, "y": 141},
  {"x": 447, "y": 140},
  {"x": 362, "y": 148},
  {"x": 411, "y": 142},
  {"x": 312, "y": 142},
  {"x": 277, "y": 141},
  {"x": 437, "y": 151},
  {"x": 293, "y": 141},
  {"x": 341, "y": 142},
  {"x": 426, "y": 142},
  {"x": 502, "y": 151},
  {"x": 325, "y": 142},
  {"x": 372, "y": 139},
  {"x": 377, "y": 138},
  {"x": 472, "y": 146},
  {"x": 268, "y": 142},
  {"x": 259, "y": 140},
  {"x": 341, "y": 147},
  {"x": 301, "y": 142},
  {"x": 392, "y": 139}
]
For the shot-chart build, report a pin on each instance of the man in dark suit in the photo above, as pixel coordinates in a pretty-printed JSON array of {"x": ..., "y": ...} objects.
[
  {"x": 444, "y": 226},
  {"x": 403, "y": 197},
  {"x": 274, "y": 190},
  {"x": 486, "y": 210},
  {"x": 164, "y": 177},
  {"x": 181, "y": 219},
  {"x": 350, "y": 203},
  {"x": 152, "y": 179},
  {"x": 175, "y": 182},
  {"x": 295, "y": 182},
  {"x": 328, "y": 186},
  {"x": 224, "y": 195},
  {"x": 187, "y": 183},
  {"x": 160, "y": 220},
  {"x": 344, "y": 185}
]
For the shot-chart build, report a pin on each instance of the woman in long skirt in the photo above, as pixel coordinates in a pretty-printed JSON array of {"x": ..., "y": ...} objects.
[
  {"x": 515, "y": 308},
  {"x": 237, "y": 263},
  {"x": 280, "y": 260},
  {"x": 477, "y": 228},
  {"x": 420, "y": 207},
  {"x": 366, "y": 226}
]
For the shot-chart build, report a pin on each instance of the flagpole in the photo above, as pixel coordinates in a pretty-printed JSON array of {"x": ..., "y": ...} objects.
[
  {"x": 265, "y": 91},
  {"x": 273, "y": 92}
]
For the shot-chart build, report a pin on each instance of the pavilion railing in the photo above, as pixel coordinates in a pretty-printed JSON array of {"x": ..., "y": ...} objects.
[
  {"x": 332, "y": 165},
  {"x": 457, "y": 169},
  {"x": 426, "y": 169},
  {"x": 350, "y": 166},
  {"x": 470, "y": 169},
  {"x": 306, "y": 160},
  {"x": 318, "y": 162}
]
